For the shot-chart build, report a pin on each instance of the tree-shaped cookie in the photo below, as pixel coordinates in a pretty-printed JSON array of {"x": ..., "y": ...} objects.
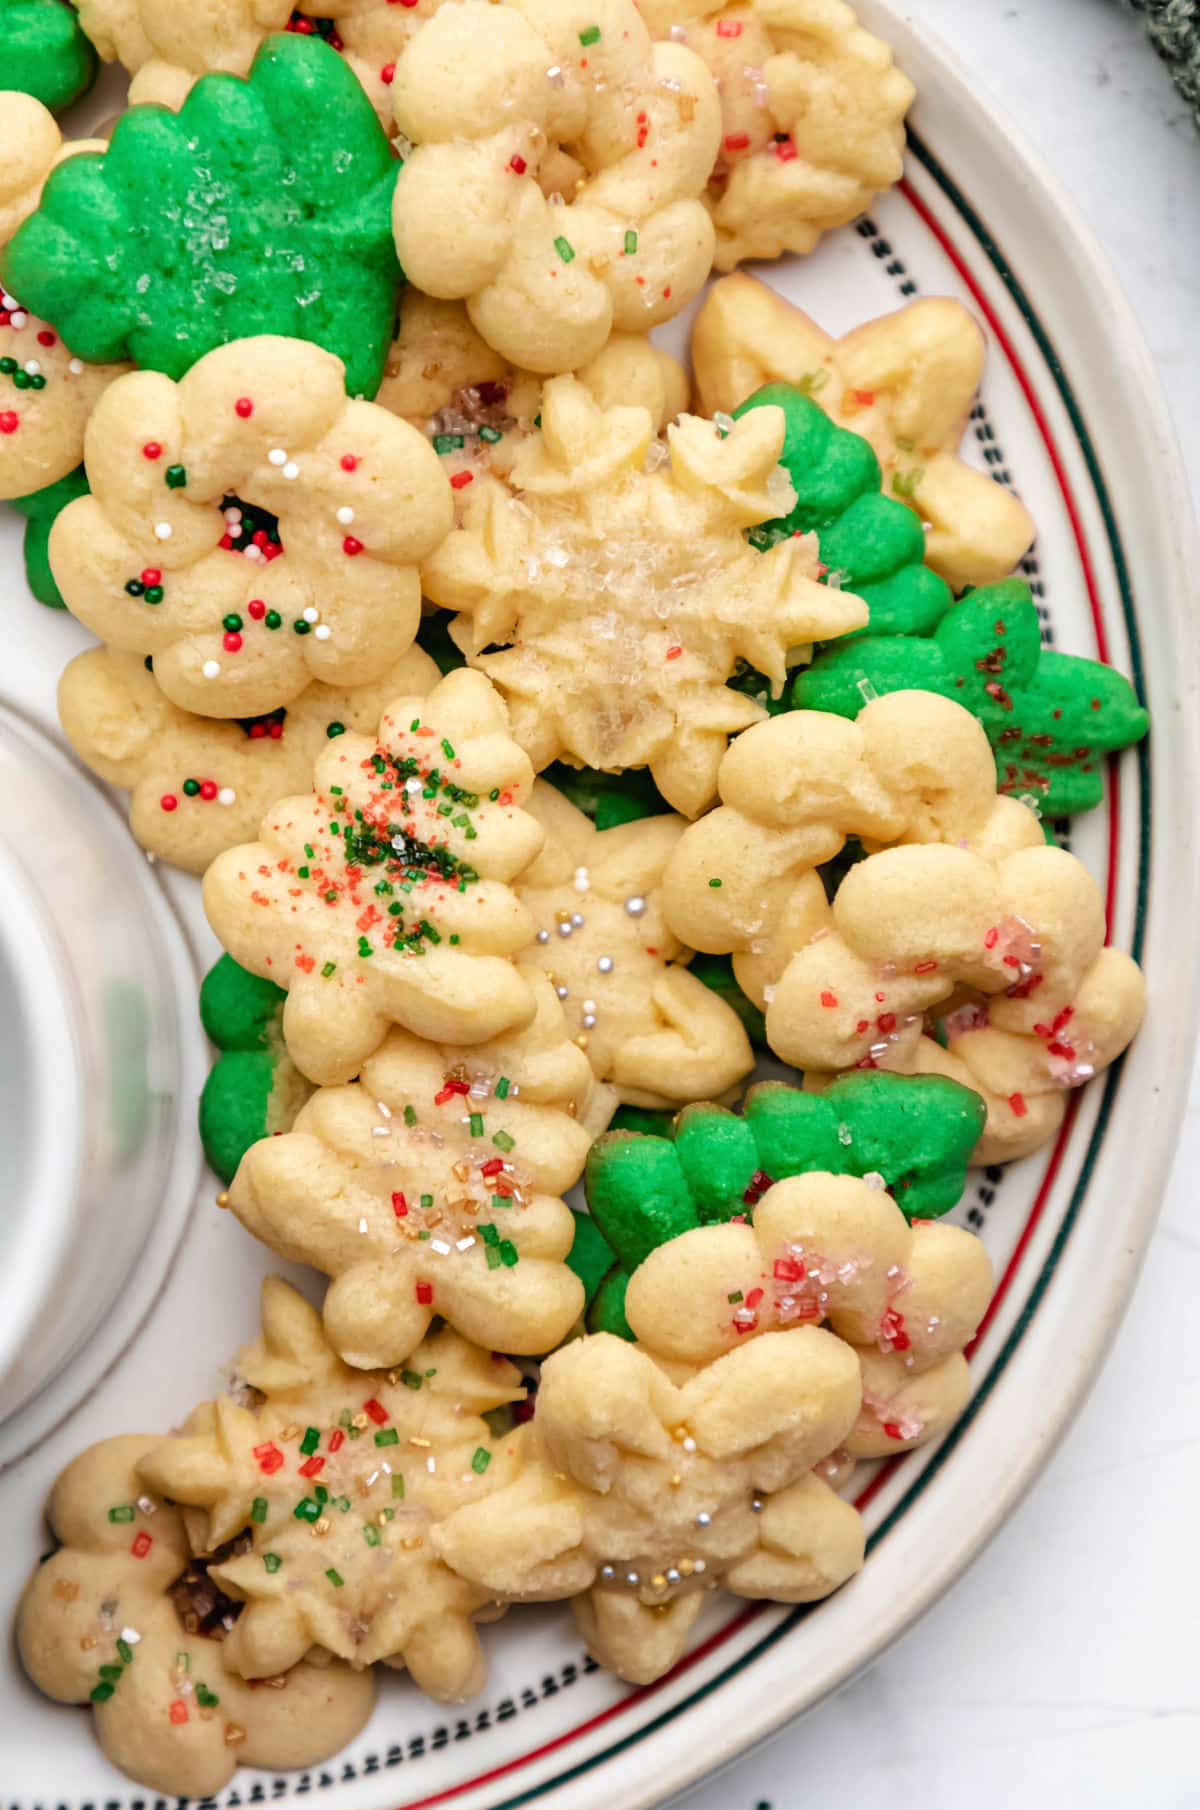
[
  {"x": 385, "y": 894},
  {"x": 905, "y": 382},
  {"x": 1051, "y": 718},
  {"x": 432, "y": 1187},
  {"x": 812, "y": 112},
  {"x": 250, "y": 528},
  {"x": 652, "y": 1031},
  {"x": 45, "y": 52},
  {"x": 331, "y": 1487},
  {"x": 198, "y": 785},
  {"x": 639, "y": 1494},
  {"x": 507, "y": 105},
  {"x": 108, "y": 1620},
  {"x": 263, "y": 205},
  {"x": 623, "y": 598}
]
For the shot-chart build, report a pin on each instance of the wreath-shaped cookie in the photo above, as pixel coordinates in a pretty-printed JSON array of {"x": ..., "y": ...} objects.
[
  {"x": 505, "y": 105},
  {"x": 197, "y": 785},
  {"x": 623, "y": 598},
  {"x": 651, "y": 1030},
  {"x": 108, "y": 1620},
  {"x": 384, "y": 896},
  {"x": 905, "y": 383},
  {"x": 250, "y": 529},
  {"x": 330, "y": 1488},
  {"x": 432, "y": 1187},
  {"x": 812, "y": 112},
  {"x": 45, "y": 52},
  {"x": 970, "y": 907},
  {"x": 639, "y": 1494}
]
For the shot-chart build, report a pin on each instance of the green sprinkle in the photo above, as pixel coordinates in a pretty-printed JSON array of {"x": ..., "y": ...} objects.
[
  {"x": 397, "y": 1486},
  {"x": 364, "y": 948},
  {"x": 272, "y": 1561},
  {"x": 387, "y": 1436},
  {"x": 183, "y": 1662},
  {"x": 509, "y": 1254},
  {"x": 309, "y": 850},
  {"x": 371, "y": 1535},
  {"x": 735, "y": 1297},
  {"x": 590, "y": 36},
  {"x": 494, "y": 1259},
  {"x": 154, "y": 593},
  {"x": 333, "y": 730},
  {"x": 111, "y": 1671},
  {"x": 427, "y": 1200},
  {"x": 502, "y": 1141},
  {"x": 631, "y": 243},
  {"x": 488, "y": 1233},
  {"x": 322, "y": 1494},
  {"x": 565, "y": 249},
  {"x": 342, "y": 1503},
  {"x": 415, "y": 724},
  {"x": 502, "y": 1087},
  {"x": 205, "y": 1698},
  {"x": 447, "y": 750},
  {"x": 302, "y": 873},
  {"x": 483, "y": 1457},
  {"x": 258, "y": 1509},
  {"x": 905, "y": 444},
  {"x": 307, "y": 1510},
  {"x": 126, "y": 1651},
  {"x": 273, "y": 619},
  {"x": 490, "y": 435},
  {"x": 446, "y": 443},
  {"x": 302, "y": 627},
  {"x": 499, "y": 1200},
  {"x": 311, "y": 1440},
  {"x": 904, "y": 483},
  {"x": 476, "y": 1124},
  {"x": 396, "y": 910},
  {"x": 410, "y": 1115},
  {"x": 812, "y": 382},
  {"x": 335, "y": 1578},
  {"x": 123, "y": 1512},
  {"x": 412, "y": 1379},
  {"x": 454, "y": 939},
  {"x": 327, "y": 970},
  {"x": 389, "y": 1514},
  {"x": 101, "y": 1693},
  {"x": 176, "y": 477}
]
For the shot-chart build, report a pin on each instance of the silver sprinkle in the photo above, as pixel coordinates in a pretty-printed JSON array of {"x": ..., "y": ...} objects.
[
  {"x": 636, "y": 906},
  {"x": 543, "y": 936},
  {"x": 605, "y": 964}
]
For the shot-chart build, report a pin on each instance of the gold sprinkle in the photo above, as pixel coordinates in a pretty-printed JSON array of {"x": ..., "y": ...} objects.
[
  {"x": 412, "y": 1542},
  {"x": 223, "y": 1198},
  {"x": 321, "y": 1527},
  {"x": 582, "y": 1040},
  {"x": 598, "y": 263},
  {"x": 235, "y": 1734},
  {"x": 687, "y": 107},
  {"x": 572, "y": 1109},
  {"x": 359, "y": 1421},
  {"x": 658, "y": 1581},
  {"x": 394, "y": 1378},
  {"x": 87, "y": 1642},
  {"x": 676, "y": 1480},
  {"x": 564, "y": 916},
  {"x": 461, "y": 1171},
  {"x": 292, "y": 1431},
  {"x": 423, "y": 1443},
  {"x": 66, "y": 1589},
  {"x": 687, "y": 1566}
]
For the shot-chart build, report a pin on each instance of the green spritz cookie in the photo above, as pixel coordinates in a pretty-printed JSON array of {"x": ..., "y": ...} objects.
[
  {"x": 916, "y": 1132},
  {"x": 262, "y": 206},
  {"x": 40, "y": 509},
  {"x": 253, "y": 1089},
  {"x": 870, "y": 544},
  {"x": 45, "y": 53},
  {"x": 1050, "y": 717}
]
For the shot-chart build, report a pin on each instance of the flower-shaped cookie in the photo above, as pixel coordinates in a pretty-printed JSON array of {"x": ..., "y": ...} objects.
[
  {"x": 972, "y": 909},
  {"x": 45, "y": 52},
  {"x": 198, "y": 785},
  {"x": 31, "y": 145},
  {"x": 645, "y": 1492},
  {"x": 905, "y": 382},
  {"x": 812, "y": 111},
  {"x": 627, "y": 596},
  {"x": 385, "y": 894},
  {"x": 331, "y": 1487},
  {"x": 107, "y": 1621},
  {"x": 651, "y": 1030},
  {"x": 507, "y": 104},
  {"x": 163, "y": 557},
  {"x": 431, "y": 1187}
]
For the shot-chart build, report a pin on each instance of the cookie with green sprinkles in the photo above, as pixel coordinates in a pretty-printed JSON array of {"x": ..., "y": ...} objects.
[
  {"x": 1050, "y": 717},
  {"x": 254, "y": 1090},
  {"x": 261, "y": 206},
  {"x": 41, "y": 509},
  {"x": 45, "y": 51},
  {"x": 917, "y": 1133}
]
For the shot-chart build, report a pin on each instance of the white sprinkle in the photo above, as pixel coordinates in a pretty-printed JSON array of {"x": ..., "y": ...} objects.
[
  {"x": 383, "y": 1109},
  {"x": 723, "y": 423},
  {"x": 440, "y": 1246},
  {"x": 291, "y": 469},
  {"x": 381, "y": 1131},
  {"x": 582, "y": 880},
  {"x": 210, "y": 669},
  {"x": 75, "y": 366},
  {"x": 232, "y": 518},
  {"x": 636, "y": 906},
  {"x": 311, "y": 614},
  {"x": 631, "y": 1577},
  {"x": 130, "y": 1636},
  {"x": 608, "y": 1571},
  {"x": 605, "y": 964},
  {"x": 362, "y": 1226},
  {"x": 277, "y": 456},
  {"x": 688, "y": 1444},
  {"x": 678, "y": 34},
  {"x": 554, "y": 74},
  {"x": 431, "y": 1464},
  {"x": 699, "y": 1565},
  {"x": 19, "y": 319},
  {"x": 874, "y": 1180},
  {"x": 867, "y": 691},
  {"x": 562, "y": 991},
  {"x": 345, "y": 515},
  {"x": 162, "y": 530},
  {"x": 589, "y": 1021},
  {"x": 8, "y": 301},
  {"x": 463, "y": 1244},
  {"x": 33, "y": 367},
  {"x": 226, "y": 795},
  {"x": 147, "y": 1506},
  {"x": 704, "y": 1519}
]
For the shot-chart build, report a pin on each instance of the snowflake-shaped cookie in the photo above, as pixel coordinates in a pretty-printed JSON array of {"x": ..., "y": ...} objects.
[
  {"x": 654, "y": 1032},
  {"x": 165, "y": 558},
  {"x": 106, "y": 1620},
  {"x": 639, "y": 1494},
  {"x": 626, "y": 596},
  {"x": 337, "y": 1479},
  {"x": 568, "y": 99},
  {"x": 431, "y": 1187},
  {"x": 812, "y": 112},
  {"x": 971, "y": 907},
  {"x": 385, "y": 894},
  {"x": 198, "y": 785},
  {"x": 906, "y": 382}
]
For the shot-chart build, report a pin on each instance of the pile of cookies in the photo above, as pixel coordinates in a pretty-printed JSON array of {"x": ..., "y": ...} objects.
[{"x": 548, "y": 752}]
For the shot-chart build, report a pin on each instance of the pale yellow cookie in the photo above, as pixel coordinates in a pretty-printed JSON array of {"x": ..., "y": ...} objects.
[
  {"x": 384, "y": 896},
  {"x": 638, "y": 1493},
  {"x": 197, "y": 785},
  {"x": 651, "y": 1030},
  {"x": 971, "y": 919},
  {"x": 106, "y": 1620},
  {"x": 432, "y": 1187},
  {"x": 497, "y": 102},
  {"x": 234, "y": 627},
  {"x": 618, "y": 575},
  {"x": 330, "y": 1487},
  {"x": 906, "y": 382},
  {"x": 812, "y": 117}
]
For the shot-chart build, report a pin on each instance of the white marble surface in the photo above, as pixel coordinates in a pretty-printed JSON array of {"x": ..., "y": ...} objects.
[{"x": 1061, "y": 1670}]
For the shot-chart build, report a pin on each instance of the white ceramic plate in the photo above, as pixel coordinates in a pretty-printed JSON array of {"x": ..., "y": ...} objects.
[{"x": 1072, "y": 414}]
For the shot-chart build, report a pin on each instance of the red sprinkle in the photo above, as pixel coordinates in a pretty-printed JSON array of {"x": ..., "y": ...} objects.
[
  {"x": 178, "y": 1712},
  {"x": 460, "y": 480},
  {"x": 46, "y": 337},
  {"x": 312, "y": 1467},
  {"x": 141, "y": 1544},
  {"x": 729, "y": 28},
  {"x": 270, "y": 1458},
  {"x": 754, "y": 1297},
  {"x": 387, "y": 74},
  {"x": 785, "y": 150},
  {"x": 399, "y": 1206},
  {"x": 243, "y": 407},
  {"x": 351, "y": 546},
  {"x": 789, "y": 1269},
  {"x": 275, "y": 731},
  {"x": 673, "y": 653},
  {"x": 168, "y": 802},
  {"x": 892, "y": 1429},
  {"x": 231, "y": 642},
  {"x": 152, "y": 450},
  {"x": 737, "y": 141},
  {"x": 828, "y": 998},
  {"x": 493, "y": 1166},
  {"x": 992, "y": 938},
  {"x": 349, "y": 462},
  {"x": 256, "y": 609},
  {"x": 1017, "y": 1105},
  {"x": 929, "y": 967},
  {"x": 886, "y": 1022},
  {"x": 208, "y": 790},
  {"x": 376, "y": 1411},
  {"x": 151, "y": 575},
  {"x": 517, "y": 164},
  {"x": 425, "y": 1293},
  {"x": 337, "y": 1440},
  {"x": 10, "y": 421}
]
